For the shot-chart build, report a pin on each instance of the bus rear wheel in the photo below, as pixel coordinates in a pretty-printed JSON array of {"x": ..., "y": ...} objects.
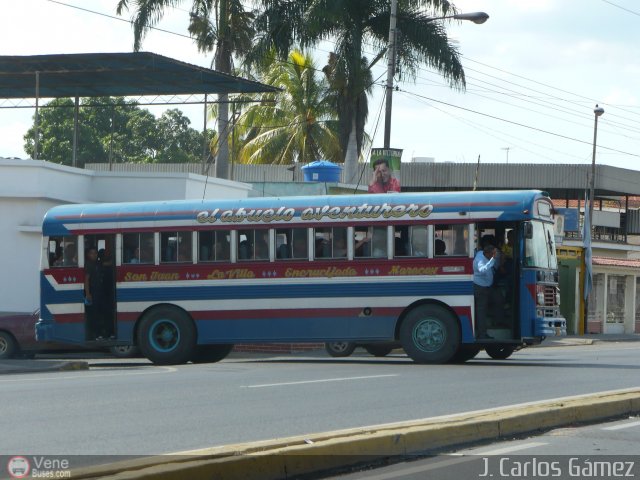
[
  {"x": 430, "y": 334},
  {"x": 211, "y": 353},
  {"x": 499, "y": 352},
  {"x": 167, "y": 336}
]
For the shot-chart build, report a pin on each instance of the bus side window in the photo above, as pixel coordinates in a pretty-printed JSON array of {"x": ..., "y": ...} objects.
[
  {"x": 176, "y": 247},
  {"x": 401, "y": 241},
  {"x": 253, "y": 244},
  {"x": 214, "y": 246},
  {"x": 292, "y": 243},
  {"x": 451, "y": 240},
  {"x": 63, "y": 251},
  {"x": 419, "y": 241},
  {"x": 138, "y": 248}
]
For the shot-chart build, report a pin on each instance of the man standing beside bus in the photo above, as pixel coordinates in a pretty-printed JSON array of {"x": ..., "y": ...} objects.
[{"x": 483, "y": 270}]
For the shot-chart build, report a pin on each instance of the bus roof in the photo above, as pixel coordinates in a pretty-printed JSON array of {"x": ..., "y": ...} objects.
[{"x": 271, "y": 211}]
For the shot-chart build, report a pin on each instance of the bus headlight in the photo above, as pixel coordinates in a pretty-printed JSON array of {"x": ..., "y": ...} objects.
[{"x": 540, "y": 298}]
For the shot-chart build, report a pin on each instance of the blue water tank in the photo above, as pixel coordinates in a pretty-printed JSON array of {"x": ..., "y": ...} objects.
[{"x": 322, "y": 171}]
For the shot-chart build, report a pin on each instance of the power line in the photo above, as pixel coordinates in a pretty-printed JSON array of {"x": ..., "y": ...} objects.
[
  {"x": 621, "y": 7},
  {"x": 521, "y": 124}
]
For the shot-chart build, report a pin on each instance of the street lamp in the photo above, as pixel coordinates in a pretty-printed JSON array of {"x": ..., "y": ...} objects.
[
  {"x": 475, "y": 17},
  {"x": 598, "y": 111}
]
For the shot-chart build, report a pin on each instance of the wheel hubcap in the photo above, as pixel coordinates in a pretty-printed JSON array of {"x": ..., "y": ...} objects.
[
  {"x": 429, "y": 335},
  {"x": 164, "y": 335}
]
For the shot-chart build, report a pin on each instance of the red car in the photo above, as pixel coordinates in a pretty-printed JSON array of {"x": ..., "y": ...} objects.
[
  {"x": 18, "y": 334},
  {"x": 18, "y": 337}
]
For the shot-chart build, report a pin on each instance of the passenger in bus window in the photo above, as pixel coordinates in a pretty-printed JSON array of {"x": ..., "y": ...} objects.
[
  {"x": 440, "y": 247},
  {"x": 135, "y": 258}
]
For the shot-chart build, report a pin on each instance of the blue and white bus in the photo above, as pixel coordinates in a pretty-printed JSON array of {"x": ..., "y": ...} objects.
[{"x": 186, "y": 280}]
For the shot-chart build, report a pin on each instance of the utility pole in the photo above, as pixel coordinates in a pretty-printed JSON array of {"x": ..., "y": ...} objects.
[
  {"x": 391, "y": 69},
  {"x": 507, "y": 150}
]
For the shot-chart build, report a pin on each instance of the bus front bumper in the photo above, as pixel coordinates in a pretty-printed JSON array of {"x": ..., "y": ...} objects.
[{"x": 550, "y": 327}]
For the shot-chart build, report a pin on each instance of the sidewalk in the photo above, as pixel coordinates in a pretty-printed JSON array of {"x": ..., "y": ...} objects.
[
  {"x": 53, "y": 365},
  {"x": 589, "y": 339}
]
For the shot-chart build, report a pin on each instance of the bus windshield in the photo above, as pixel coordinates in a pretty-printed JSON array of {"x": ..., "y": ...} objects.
[{"x": 540, "y": 250}]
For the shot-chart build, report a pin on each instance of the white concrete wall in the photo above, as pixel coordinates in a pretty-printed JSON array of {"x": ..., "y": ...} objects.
[{"x": 28, "y": 188}]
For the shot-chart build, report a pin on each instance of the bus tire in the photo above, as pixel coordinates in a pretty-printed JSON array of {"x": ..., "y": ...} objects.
[
  {"x": 167, "y": 336},
  {"x": 378, "y": 350},
  {"x": 430, "y": 334},
  {"x": 8, "y": 346},
  {"x": 464, "y": 354},
  {"x": 499, "y": 352},
  {"x": 339, "y": 349},
  {"x": 211, "y": 353}
]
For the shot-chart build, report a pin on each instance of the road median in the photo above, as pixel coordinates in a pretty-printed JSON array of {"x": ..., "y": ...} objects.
[{"x": 295, "y": 456}]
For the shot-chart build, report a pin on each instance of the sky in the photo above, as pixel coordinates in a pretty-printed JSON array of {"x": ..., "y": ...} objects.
[{"x": 534, "y": 74}]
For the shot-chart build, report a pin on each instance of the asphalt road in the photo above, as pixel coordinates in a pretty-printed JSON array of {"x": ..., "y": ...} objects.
[{"x": 134, "y": 408}]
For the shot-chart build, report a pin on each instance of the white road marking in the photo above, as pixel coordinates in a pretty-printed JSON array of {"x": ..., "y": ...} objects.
[
  {"x": 324, "y": 380},
  {"x": 84, "y": 374},
  {"x": 622, "y": 426}
]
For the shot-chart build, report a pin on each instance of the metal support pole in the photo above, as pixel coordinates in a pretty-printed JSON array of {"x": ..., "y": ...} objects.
[
  {"x": 36, "y": 122},
  {"x": 391, "y": 67},
  {"x": 74, "y": 155},
  {"x": 597, "y": 112}
]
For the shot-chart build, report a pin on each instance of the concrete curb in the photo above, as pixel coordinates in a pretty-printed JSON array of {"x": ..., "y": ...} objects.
[
  {"x": 295, "y": 456},
  {"x": 40, "y": 366}
]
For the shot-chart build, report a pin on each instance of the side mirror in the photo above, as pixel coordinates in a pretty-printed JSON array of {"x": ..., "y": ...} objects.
[{"x": 528, "y": 230}]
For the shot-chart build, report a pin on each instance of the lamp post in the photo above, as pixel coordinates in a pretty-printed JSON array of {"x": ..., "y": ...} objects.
[
  {"x": 598, "y": 111},
  {"x": 475, "y": 17}
]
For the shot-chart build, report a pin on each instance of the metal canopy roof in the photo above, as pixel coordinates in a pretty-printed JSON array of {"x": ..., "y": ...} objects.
[{"x": 113, "y": 74}]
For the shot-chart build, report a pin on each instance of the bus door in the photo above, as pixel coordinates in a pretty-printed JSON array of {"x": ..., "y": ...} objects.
[
  {"x": 100, "y": 275},
  {"x": 503, "y": 309}
]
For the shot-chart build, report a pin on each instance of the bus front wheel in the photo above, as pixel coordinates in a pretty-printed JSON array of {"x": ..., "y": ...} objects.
[
  {"x": 167, "y": 336},
  {"x": 430, "y": 334}
]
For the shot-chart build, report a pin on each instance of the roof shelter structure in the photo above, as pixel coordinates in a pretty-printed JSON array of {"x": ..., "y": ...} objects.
[
  {"x": 113, "y": 74},
  {"x": 110, "y": 75}
]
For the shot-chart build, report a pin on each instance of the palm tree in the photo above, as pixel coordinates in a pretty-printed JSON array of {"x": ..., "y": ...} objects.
[
  {"x": 351, "y": 23},
  {"x": 296, "y": 124},
  {"x": 211, "y": 23}
]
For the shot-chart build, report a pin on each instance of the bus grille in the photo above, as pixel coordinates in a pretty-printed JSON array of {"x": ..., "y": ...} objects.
[{"x": 550, "y": 297}]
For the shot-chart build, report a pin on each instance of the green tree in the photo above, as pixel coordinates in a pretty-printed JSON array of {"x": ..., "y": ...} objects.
[
  {"x": 296, "y": 124},
  {"x": 223, "y": 25},
  {"x": 113, "y": 128},
  {"x": 351, "y": 24}
]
